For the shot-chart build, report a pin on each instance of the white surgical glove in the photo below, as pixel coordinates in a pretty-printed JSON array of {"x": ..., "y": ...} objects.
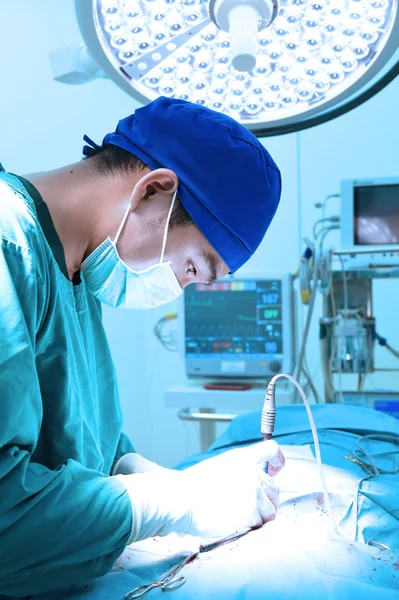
[
  {"x": 132, "y": 463},
  {"x": 214, "y": 498}
]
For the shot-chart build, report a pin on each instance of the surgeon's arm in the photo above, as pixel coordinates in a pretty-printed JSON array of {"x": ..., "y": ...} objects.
[{"x": 57, "y": 527}]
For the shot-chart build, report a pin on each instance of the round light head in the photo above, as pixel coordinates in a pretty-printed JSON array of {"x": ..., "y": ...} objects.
[{"x": 315, "y": 55}]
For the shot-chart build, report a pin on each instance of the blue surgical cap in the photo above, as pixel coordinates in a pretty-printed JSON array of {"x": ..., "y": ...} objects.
[{"x": 228, "y": 182}]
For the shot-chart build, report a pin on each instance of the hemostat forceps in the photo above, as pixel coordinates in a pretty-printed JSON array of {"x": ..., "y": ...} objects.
[{"x": 169, "y": 581}]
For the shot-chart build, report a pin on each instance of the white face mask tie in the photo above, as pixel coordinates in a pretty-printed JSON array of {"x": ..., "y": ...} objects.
[{"x": 116, "y": 284}]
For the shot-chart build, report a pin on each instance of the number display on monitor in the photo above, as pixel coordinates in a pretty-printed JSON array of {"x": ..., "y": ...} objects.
[{"x": 234, "y": 319}]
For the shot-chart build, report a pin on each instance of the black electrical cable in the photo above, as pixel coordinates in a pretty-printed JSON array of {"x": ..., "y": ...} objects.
[{"x": 333, "y": 114}]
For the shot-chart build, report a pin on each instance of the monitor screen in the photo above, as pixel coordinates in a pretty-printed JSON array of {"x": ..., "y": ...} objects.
[
  {"x": 234, "y": 320},
  {"x": 376, "y": 214}
]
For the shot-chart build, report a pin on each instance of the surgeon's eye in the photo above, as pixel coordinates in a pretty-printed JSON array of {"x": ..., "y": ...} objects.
[{"x": 192, "y": 269}]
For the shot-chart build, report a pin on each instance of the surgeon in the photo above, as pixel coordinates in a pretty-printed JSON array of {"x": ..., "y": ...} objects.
[{"x": 178, "y": 194}]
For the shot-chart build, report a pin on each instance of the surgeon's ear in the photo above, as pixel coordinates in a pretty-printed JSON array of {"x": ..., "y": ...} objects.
[{"x": 161, "y": 181}]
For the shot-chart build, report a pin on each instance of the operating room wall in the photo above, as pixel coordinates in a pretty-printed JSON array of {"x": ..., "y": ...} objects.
[{"x": 41, "y": 127}]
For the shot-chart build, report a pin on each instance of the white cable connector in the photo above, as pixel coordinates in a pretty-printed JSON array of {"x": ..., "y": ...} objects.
[{"x": 269, "y": 412}]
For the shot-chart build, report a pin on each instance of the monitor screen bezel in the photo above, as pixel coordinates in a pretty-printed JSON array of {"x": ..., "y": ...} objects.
[
  {"x": 347, "y": 217},
  {"x": 288, "y": 329}
]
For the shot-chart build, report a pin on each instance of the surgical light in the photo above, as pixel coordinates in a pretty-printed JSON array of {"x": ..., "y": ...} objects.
[{"x": 272, "y": 66}]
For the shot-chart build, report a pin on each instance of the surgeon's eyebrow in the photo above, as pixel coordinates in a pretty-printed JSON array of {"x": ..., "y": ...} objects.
[{"x": 212, "y": 266}]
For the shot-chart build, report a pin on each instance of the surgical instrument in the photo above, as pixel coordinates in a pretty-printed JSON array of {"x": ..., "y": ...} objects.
[
  {"x": 169, "y": 581},
  {"x": 267, "y": 427}
]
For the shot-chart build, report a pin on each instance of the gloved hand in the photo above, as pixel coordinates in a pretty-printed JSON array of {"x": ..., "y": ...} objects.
[{"x": 211, "y": 499}]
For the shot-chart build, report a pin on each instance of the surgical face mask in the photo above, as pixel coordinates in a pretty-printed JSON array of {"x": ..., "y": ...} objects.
[{"x": 113, "y": 282}]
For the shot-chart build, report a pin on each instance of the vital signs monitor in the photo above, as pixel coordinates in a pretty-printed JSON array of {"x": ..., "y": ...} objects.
[{"x": 239, "y": 327}]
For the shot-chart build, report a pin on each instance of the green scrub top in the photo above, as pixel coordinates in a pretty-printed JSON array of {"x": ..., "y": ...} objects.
[{"x": 63, "y": 519}]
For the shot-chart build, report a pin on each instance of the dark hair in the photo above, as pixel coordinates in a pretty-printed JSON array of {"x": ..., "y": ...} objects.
[{"x": 108, "y": 159}]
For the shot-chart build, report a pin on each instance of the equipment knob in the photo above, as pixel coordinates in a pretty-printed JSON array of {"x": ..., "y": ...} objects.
[{"x": 275, "y": 366}]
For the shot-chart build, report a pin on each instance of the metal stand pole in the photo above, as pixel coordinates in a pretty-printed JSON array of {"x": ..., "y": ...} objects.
[{"x": 207, "y": 430}]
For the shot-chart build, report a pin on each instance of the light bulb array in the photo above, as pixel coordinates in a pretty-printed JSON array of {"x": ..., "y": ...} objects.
[{"x": 311, "y": 52}]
